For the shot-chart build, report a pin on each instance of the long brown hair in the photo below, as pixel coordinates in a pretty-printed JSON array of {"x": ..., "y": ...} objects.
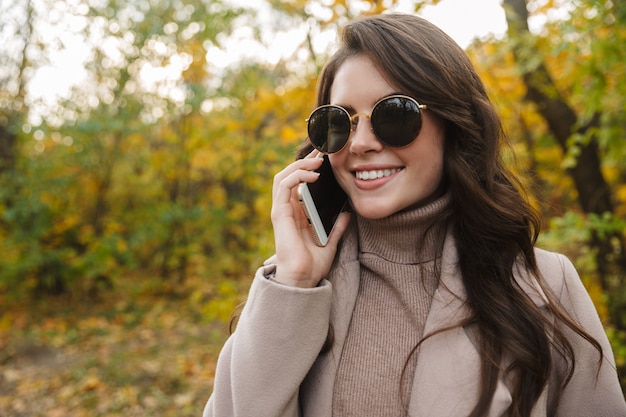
[{"x": 493, "y": 224}]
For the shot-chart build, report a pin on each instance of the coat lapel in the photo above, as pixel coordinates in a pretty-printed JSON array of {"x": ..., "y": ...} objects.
[
  {"x": 447, "y": 376},
  {"x": 317, "y": 388}
]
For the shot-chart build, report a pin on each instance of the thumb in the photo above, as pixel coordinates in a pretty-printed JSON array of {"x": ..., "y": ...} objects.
[{"x": 340, "y": 227}]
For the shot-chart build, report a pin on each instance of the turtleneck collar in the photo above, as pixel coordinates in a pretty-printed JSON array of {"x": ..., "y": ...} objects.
[{"x": 411, "y": 236}]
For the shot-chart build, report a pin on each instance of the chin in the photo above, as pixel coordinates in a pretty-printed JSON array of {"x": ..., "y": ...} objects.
[{"x": 373, "y": 212}]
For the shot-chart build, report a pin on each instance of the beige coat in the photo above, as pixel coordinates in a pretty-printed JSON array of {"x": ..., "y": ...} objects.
[{"x": 270, "y": 366}]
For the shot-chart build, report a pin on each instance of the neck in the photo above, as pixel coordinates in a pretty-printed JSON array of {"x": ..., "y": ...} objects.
[{"x": 411, "y": 236}]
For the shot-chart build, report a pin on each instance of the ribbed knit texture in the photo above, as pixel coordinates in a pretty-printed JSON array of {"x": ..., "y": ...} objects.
[{"x": 399, "y": 257}]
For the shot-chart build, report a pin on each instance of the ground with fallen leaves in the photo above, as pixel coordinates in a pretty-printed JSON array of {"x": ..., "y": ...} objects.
[{"x": 145, "y": 355}]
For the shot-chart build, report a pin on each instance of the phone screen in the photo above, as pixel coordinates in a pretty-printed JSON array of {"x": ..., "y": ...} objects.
[{"x": 328, "y": 196}]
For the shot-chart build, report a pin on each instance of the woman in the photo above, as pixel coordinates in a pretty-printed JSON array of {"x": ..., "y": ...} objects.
[{"x": 430, "y": 298}]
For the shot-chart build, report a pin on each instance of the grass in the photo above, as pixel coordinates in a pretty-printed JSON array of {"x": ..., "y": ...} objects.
[{"x": 137, "y": 355}]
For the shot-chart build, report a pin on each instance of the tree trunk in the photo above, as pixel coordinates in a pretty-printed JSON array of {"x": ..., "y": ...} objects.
[
  {"x": 594, "y": 193},
  {"x": 8, "y": 142}
]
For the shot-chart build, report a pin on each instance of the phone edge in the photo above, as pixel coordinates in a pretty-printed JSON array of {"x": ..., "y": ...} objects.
[{"x": 310, "y": 211}]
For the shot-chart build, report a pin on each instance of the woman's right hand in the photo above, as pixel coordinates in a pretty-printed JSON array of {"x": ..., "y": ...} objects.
[{"x": 300, "y": 262}]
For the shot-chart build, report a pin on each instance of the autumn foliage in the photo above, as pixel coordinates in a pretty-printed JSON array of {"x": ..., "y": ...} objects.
[{"x": 134, "y": 210}]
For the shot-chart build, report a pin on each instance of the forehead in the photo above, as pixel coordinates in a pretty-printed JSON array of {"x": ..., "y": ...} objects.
[{"x": 359, "y": 83}]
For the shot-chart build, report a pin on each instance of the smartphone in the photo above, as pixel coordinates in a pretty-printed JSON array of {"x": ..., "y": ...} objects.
[{"x": 322, "y": 202}]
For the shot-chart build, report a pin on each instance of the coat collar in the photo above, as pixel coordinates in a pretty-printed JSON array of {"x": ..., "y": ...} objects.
[{"x": 447, "y": 375}]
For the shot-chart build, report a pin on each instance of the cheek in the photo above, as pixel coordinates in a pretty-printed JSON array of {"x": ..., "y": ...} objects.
[
  {"x": 437, "y": 164},
  {"x": 438, "y": 169},
  {"x": 337, "y": 161},
  {"x": 428, "y": 161}
]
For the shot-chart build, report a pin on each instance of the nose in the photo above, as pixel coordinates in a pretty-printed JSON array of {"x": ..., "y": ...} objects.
[{"x": 362, "y": 139}]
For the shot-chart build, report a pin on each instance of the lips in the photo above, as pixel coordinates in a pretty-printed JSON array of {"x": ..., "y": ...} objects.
[{"x": 375, "y": 174}]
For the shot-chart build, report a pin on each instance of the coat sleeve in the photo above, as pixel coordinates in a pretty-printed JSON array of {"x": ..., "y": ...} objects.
[
  {"x": 278, "y": 338},
  {"x": 591, "y": 391}
]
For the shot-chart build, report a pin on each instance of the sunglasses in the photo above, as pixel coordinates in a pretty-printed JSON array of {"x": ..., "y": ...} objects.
[{"x": 396, "y": 121}]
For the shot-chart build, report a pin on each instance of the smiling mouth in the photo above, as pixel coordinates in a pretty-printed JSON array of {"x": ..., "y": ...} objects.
[{"x": 375, "y": 174}]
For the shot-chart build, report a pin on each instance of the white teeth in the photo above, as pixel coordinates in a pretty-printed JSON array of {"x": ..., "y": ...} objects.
[{"x": 375, "y": 174}]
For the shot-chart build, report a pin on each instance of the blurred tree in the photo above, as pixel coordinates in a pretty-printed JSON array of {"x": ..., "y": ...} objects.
[
  {"x": 13, "y": 77},
  {"x": 573, "y": 73},
  {"x": 162, "y": 159},
  {"x": 67, "y": 219}
]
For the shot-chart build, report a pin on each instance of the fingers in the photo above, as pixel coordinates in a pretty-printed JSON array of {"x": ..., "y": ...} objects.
[
  {"x": 309, "y": 163},
  {"x": 301, "y": 262},
  {"x": 287, "y": 179},
  {"x": 315, "y": 154},
  {"x": 339, "y": 229}
]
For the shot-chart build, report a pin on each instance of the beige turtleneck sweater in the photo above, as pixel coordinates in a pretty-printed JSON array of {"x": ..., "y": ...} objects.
[{"x": 399, "y": 257}]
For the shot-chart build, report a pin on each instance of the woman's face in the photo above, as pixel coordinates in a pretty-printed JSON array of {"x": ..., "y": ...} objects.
[{"x": 404, "y": 177}]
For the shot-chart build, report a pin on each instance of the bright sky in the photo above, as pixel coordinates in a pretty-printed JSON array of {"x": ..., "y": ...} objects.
[{"x": 463, "y": 20}]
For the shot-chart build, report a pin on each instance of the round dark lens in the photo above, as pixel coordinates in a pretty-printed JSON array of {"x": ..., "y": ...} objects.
[
  {"x": 396, "y": 121},
  {"x": 329, "y": 128}
]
